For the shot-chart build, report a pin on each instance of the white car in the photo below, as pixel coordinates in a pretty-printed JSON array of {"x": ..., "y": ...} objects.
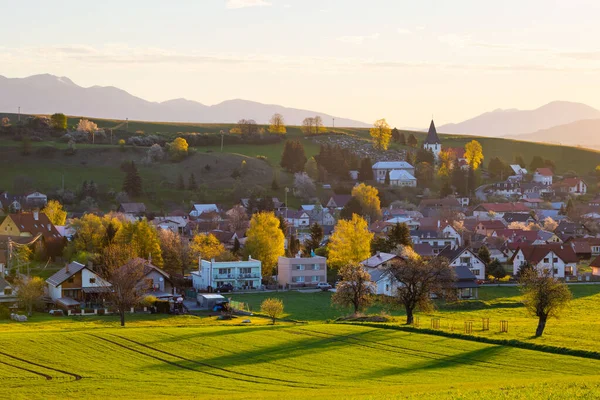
[{"x": 324, "y": 286}]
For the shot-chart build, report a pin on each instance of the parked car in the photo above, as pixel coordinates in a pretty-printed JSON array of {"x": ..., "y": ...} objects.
[
  {"x": 324, "y": 286},
  {"x": 226, "y": 287}
]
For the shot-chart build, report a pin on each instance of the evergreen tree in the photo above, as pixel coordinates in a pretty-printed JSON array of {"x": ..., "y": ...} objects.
[
  {"x": 520, "y": 161},
  {"x": 411, "y": 158},
  {"x": 399, "y": 235},
  {"x": 387, "y": 178},
  {"x": 192, "y": 185},
  {"x": 459, "y": 181},
  {"x": 274, "y": 183},
  {"x": 381, "y": 244},
  {"x": 293, "y": 246},
  {"x": 471, "y": 181},
  {"x": 132, "y": 185},
  {"x": 293, "y": 157},
  {"x": 402, "y": 139},
  {"x": 236, "y": 246},
  {"x": 365, "y": 173},
  {"x": 316, "y": 236},
  {"x": 446, "y": 189},
  {"x": 180, "y": 182},
  {"x": 496, "y": 269},
  {"x": 412, "y": 140},
  {"x": 570, "y": 207},
  {"x": 395, "y": 135},
  {"x": 484, "y": 255},
  {"x": 536, "y": 162},
  {"x": 425, "y": 156},
  {"x": 352, "y": 207}
]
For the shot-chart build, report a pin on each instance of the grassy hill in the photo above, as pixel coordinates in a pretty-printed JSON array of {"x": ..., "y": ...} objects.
[{"x": 161, "y": 360}]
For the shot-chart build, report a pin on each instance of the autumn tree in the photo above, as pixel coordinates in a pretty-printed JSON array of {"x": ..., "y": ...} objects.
[
  {"x": 350, "y": 242},
  {"x": 88, "y": 127},
  {"x": 265, "y": 241},
  {"x": 445, "y": 164},
  {"x": 178, "y": 149},
  {"x": 247, "y": 127},
  {"x": 474, "y": 154},
  {"x": 173, "y": 251},
  {"x": 308, "y": 125},
  {"x": 89, "y": 233},
  {"x": 544, "y": 296},
  {"x": 206, "y": 246},
  {"x": 550, "y": 224},
  {"x": 381, "y": 134},
  {"x": 354, "y": 289},
  {"x": 30, "y": 291},
  {"x": 143, "y": 240},
  {"x": 127, "y": 286},
  {"x": 277, "y": 124},
  {"x": 304, "y": 187},
  {"x": 416, "y": 280},
  {"x": 318, "y": 124},
  {"x": 273, "y": 308},
  {"x": 55, "y": 213},
  {"x": 58, "y": 121},
  {"x": 368, "y": 197}
]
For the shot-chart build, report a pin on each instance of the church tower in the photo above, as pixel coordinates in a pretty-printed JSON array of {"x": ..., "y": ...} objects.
[{"x": 432, "y": 142}]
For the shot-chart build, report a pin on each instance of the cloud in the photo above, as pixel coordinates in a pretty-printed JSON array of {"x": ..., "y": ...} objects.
[
  {"x": 583, "y": 55},
  {"x": 357, "y": 39},
  {"x": 235, "y": 4},
  {"x": 403, "y": 31}
]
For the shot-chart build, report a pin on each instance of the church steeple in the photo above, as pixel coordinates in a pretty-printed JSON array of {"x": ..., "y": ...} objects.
[{"x": 432, "y": 136}]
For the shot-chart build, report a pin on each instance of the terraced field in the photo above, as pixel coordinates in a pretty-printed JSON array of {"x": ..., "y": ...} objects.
[{"x": 309, "y": 361}]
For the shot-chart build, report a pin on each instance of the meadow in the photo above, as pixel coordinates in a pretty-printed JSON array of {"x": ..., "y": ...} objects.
[{"x": 281, "y": 361}]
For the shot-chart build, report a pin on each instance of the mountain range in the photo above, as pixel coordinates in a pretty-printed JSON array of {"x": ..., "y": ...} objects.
[{"x": 47, "y": 94}]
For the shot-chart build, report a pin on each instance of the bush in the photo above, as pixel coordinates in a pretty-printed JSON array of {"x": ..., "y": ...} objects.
[{"x": 4, "y": 312}]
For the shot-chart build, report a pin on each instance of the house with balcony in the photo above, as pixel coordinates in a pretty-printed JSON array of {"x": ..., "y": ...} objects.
[
  {"x": 242, "y": 275},
  {"x": 464, "y": 257},
  {"x": 301, "y": 271},
  {"x": 559, "y": 260}
]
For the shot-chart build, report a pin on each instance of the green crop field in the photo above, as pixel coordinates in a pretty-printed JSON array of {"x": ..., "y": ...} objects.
[{"x": 281, "y": 361}]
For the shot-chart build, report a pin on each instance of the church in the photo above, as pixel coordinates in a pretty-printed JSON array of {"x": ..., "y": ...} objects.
[{"x": 432, "y": 142}]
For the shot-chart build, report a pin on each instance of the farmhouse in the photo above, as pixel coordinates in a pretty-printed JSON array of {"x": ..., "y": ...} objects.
[
  {"x": 36, "y": 200},
  {"x": 157, "y": 281},
  {"x": 556, "y": 259},
  {"x": 240, "y": 274},
  {"x": 301, "y": 271},
  {"x": 75, "y": 284}
]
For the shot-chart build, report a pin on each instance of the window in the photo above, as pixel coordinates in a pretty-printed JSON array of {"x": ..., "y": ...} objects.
[
  {"x": 465, "y": 260},
  {"x": 555, "y": 260},
  {"x": 92, "y": 280},
  {"x": 299, "y": 267},
  {"x": 555, "y": 271},
  {"x": 316, "y": 267},
  {"x": 70, "y": 280},
  {"x": 316, "y": 278},
  {"x": 546, "y": 260},
  {"x": 7, "y": 291},
  {"x": 475, "y": 272},
  {"x": 298, "y": 279},
  {"x": 224, "y": 271},
  {"x": 246, "y": 270}
]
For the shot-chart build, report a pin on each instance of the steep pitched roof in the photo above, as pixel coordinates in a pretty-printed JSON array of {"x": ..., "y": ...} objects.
[
  {"x": 27, "y": 222},
  {"x": 378, "y": 259},
  {"x": 504, "y": 207},
  {"x": 493, "y": 224},
  {"x": 132, "y": 208},
  {"x": 401, "y": 175},
  {"x": 432, "y": 136},
  {"x": 535, "y": 254},
  {"x": 65, "y": 273},
  {"x": 544, "y": 171},
  {"x": 340, "y": 200}
]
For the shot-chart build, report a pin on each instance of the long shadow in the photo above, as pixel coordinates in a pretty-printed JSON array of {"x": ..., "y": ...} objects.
[
  {"x": 477, "y": 358},
  {"x": 222, "y": 331}
]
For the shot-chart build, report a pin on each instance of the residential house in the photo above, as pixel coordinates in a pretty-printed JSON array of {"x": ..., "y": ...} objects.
[
  {"x": 30, "y": 225},
  {"x": 301, "y": 271},
  {"x": 134, "y": 210},
  {"x": 36, "y": 200},
  {"x": 465, "y": 257},
  {"x": 10, "y": 202},
  {"x": 382, "y": 168},
  {"x": 376, "y": 266},
  {"x": 518, "y": 170},
  {"x": 451, "y": 231},
  {"x": 458, "y": 153},
  {"x": 517, "y": 217},
  {"x": 432, "y": 141},
  {"x": 424, "y": 250},
  {"x": 507, "y": 188},
  {"x": 321, "y": 216},
  {"x": 200, "y": 209},
  {"x": 595, "y": 264},
  {"x": 399, "y": 177},
  {"x": 338, "y": 201},
  {"x": 572, "y": 186},
  {"x": 436, "y": 239},
  {"x": 543, "y": 176},
  {"x": 227, "y": 238},
  {"x": 76, "y": 284},
  {"x": 557, "y": 259},
  {"x": 466, "y": 283},
  {"x": 431, "y": 207},
  {"x": 412, "y": 224},
  {"x": 278, "y": 205},
  {"x": 157, "y": 281},
  {"x": 297, "y": 219},
  {"x": 497, "y": 210},
  {"x": 175, "y": 224},
  {"x": 487, "y": 228},
  {"x": 240, "y": 274}
]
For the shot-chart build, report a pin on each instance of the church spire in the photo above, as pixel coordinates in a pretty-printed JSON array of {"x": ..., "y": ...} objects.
[{"x": 432, "y": 136}]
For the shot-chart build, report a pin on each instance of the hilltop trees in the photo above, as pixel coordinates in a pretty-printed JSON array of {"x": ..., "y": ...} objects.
[
  {"x": 381, "y": 134},
  {"x": 293, "y": 158},
  {"x": 350, "y": 242},
  {"x": 337, "y": 160},
  {"x": 277, "y": 124},
  {"x": 474, "y": 154},
  {"x": 58, "y": 121},
  {"x": 246, "y": 127},
  {"x": 178, "y": 149},
  {"x": 265, "y": 241},
  {"x": 313, "y": 126},
  {"x": 354, "y": 289}
]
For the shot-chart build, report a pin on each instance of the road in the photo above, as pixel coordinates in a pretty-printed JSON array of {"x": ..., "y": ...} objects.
[{"x": 480, "y": 193}]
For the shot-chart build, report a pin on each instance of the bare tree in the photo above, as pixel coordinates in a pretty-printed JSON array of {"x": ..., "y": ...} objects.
[
  {"x": 127, "y": 287},
  {"x": 544, "y": 296},
  {"x": 417, "y": 280},
  {"x": 355, "y": 289},
  {"x": 304, "y": 186},
  {"x": 308, "y": 125},
  {"x": 247, "y": 127},
  {"x": 237, "y": 217}
]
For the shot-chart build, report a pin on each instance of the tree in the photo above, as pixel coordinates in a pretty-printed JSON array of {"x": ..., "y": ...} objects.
[
  {"x": 206, "y": 246},
  {"x": 178, "y": 149},
  {"x": 417, "y": 280},
  {"x": 402, "y": 139},
  {"x": 520, "y": 161},
  {"x": 247, "y": 127},
  {"x": 536, "y": 162},
  {"x": 395, "y": 135},
  {"x": 265, "y": 241},
  {"x": 318, "y": 123},
  {"x": 142, "y": 239},
  {"x": 89, "y": 233},
  {"x": 445, "y": 190},
  {"x": 350, "y": 242},
  {"x": 352, "y": 207},
  {"x": 293, "y": 246},
  {"x": 55, "y": 213},
  {"x": 484, "y": 255},
  {"x": 425, "y": 156},
  {"x": 597, "y": 171},
  {"x": 58, "y": 121},
  {"x": 354, "y": 289},
  {"x": 308, "y": 125},
  {"x": 132, "y": 185},
  {"x": 173, "y": 251},
  {"x": 293, "y": 157},
  {"x": 496, "y": 269},
  {"x": 412, "y": 141},
  {"x": 192, "y": 185},
  {"x": 127, "y": 286},
  {"x": 180, "y": 182},
  {"x": 316, "y": 236},
  {"x": 474, "y": 154},
  {"x": 312, "y": 169},
  {"x": 5, "y": 121},
  {"x": 498, "y": 168},
  {"x": 304, "y": 186},
  {"x": 88, "y": 127},
  {"x": 365, "y": 172},
  {"x": 237, "y": 217},
  {"x": 424, "y": 173},
  {"x": 550, "y": 224},
  {"x": 544, "y": 296},
  {"x": 273, "y": 308},
  {"x": 446, "y": 161},
  {"x": 381, "y": 134},
  {"x": 30, "y": 291},
  {"x": 368, "y": 197},
  {"x": 399, "y": 235},
  {"x": 26, "y": 146},
  {"x": 277, "y": 124},
  {"x": 386, "y": 180}
]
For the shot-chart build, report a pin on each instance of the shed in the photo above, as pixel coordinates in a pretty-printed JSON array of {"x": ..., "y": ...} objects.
[{"x": 208, "y": 301}]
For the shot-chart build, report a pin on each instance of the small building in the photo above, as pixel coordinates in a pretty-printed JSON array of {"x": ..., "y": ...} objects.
[
  {"x": 497, "y": 210},
  {"x": 338, "y": 201},
  {"x": 556, "y": 259},
  {"x": 297, "y": 219},
  {"x": 595, "y": 264},
  {"x": 382, "y": 168},
  {"x": 464, "y": 257},
  {"x": 7, "y": 293},
  {"x": 77, "y": 283},
  {"x": 136, "y": 210},
  {"x": 200, "y": 209},
  {"x": 466, "y": 283},
  {"x": 157, "y": 281},
  {"x": 208, "y": 301},
  {"x": 36, "y": 200},
  {"x": 376, "y": 266},
  {"x": 543, "y": 176},
  {"x": 301, "y": 271},
  {"x": 572, "y": 186},
  {"x": 400, "y": 177},
  {"x": 240, "y": 274},
  {"x": 487, "y": 228}
]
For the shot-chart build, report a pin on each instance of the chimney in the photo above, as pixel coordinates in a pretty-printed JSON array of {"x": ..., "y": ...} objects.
[
  {"x": 36, "y": 215},
  {"x": 378, "y": 254},
  {"x": 67, "y": 268},
  {"x": 49, "y": 227}
]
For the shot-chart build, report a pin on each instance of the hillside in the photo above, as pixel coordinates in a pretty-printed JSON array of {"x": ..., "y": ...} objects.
[
  {"x": 47, "y": 94},
  {"x": 500, "y": 123},
  {"x": 578, "y": 133}
]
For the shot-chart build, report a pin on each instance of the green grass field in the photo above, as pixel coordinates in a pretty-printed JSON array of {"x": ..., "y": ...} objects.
[{"x": 282, "y": 361}]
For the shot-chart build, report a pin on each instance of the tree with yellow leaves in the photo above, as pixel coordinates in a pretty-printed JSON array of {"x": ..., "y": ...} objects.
[
  {"x": 368, "y": 197},
  {"x": 265, "y": 241},
  {"x": 206, "y": 246},
  {"x": 143, "y": 240},
  {"x": 178, "y": 148},
  {"x": 474, "y": 154},
  {"x": 55, "y": 213},
  {"x": 381, "y": 134},
  {"x": 277, "y": 124},
  {"x": 445, "y": 161},
  {"x": 350, "y": 242}
]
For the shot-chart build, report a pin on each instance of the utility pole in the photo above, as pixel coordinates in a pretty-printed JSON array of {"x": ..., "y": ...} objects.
[
  {"x": 334, "y": 123},
  {"x": 127, "y": 124},
  {"x": 222, "y": 134},
  {"x": 19, "y": 114}
]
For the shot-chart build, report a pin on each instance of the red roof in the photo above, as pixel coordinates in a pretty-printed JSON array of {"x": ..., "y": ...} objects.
[
  {"x": 27, "y": 222},
  {"x": 535, "y": 254},
  {"x": 596, "y": 262},
  {"x": 492, "y": 224},
  {"x": 504, "y": 207},
  {"x": 569, "y": 182},
  {"x": 545, "y": 171},
  {"x": 459, "y": 152}
]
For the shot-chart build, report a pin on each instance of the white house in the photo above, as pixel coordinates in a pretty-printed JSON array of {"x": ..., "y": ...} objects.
[
  {"x": 543, "y": 176},
  {"x": 464, "y": 257},
  {"x": 437, "y": 240},
  {"x": 450, "y": 231},
  {"x": 36, "y": 199},
  {"x": 240, "y": 274},
  {"x": 573, "y": 186},
  {"x": 376, "y": 266},
  {"x": 556, "y": 259},
  {"x": 411, "y": 223},
  {"x": 381, "y": 168},
  {"x": 432, "y": 141},
  {"x": 77, "y": 282},
  {"x": 400, "y": 177},
  {"x": 297, "y": 219},
  {"x": 518, "y": 170},
  {"x": 200, "y": 209}
]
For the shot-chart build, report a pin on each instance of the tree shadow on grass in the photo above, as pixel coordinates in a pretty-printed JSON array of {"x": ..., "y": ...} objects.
[{"x": 479, "y": 357}]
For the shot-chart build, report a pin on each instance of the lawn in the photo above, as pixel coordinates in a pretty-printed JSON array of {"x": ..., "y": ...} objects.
[{"x": 281, "y": 361}]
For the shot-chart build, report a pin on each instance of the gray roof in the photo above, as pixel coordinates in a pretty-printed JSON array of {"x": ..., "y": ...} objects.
[
  {"x": 132, "y": 208},
  {"x": 401, "y": 175},
  {"x": 65, "y": 273},
  {"x": 432, "y": 136},
  {"x": 378, "y": 259},
  {"x": 392, "y": 165}
]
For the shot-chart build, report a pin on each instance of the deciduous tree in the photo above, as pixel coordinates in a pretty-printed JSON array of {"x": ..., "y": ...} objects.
[
  {"x": 273, "y": 308},
  {"x": 277, "y": 124},
  {"x": 143, "y": 240},
  {"x": 178, "y": 148},
  {"x": 412, "y": 140},
  {"x": 127, "y": 287},
  {"x": 30, "y": 291},
  {"x": 354, "y": 289},
  {"x": 368, "y": 197},
  {"x": 206, "y": 246},
  {"x": 58, "y": 121},
  {"x": 173, "y": 251},
  {"x": 474, "y": 154},
  {"x": 55, "y": 213},
  {"x": 381, "y": 134},
  {"x": 350, "y": 242},
  {"x": 265, "y": 241}
]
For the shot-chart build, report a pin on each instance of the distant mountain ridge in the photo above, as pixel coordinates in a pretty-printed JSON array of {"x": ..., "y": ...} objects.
[
  {"x": 47, "y": 94},
  {"x": 513, "y": 122},
  {"x": 584, "y": 133}
]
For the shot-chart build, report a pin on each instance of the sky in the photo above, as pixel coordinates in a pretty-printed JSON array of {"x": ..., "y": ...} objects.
[{"x": 405, "y": 61}]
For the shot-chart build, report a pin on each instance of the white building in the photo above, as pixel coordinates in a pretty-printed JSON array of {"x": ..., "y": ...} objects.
[
  {"x": 466, "y": 258},
  {"x": 556, "y": 259},
  {"x": 240, "y": 274},
  {"x": 377, "y": 266},
  {"x": 543, "y": 176},
  {"x": 400, "y": 177},
  {"x": 200, "y": 209},
  {"x": 432, "y": 141},
  {"x": 381, "y": 169}
]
